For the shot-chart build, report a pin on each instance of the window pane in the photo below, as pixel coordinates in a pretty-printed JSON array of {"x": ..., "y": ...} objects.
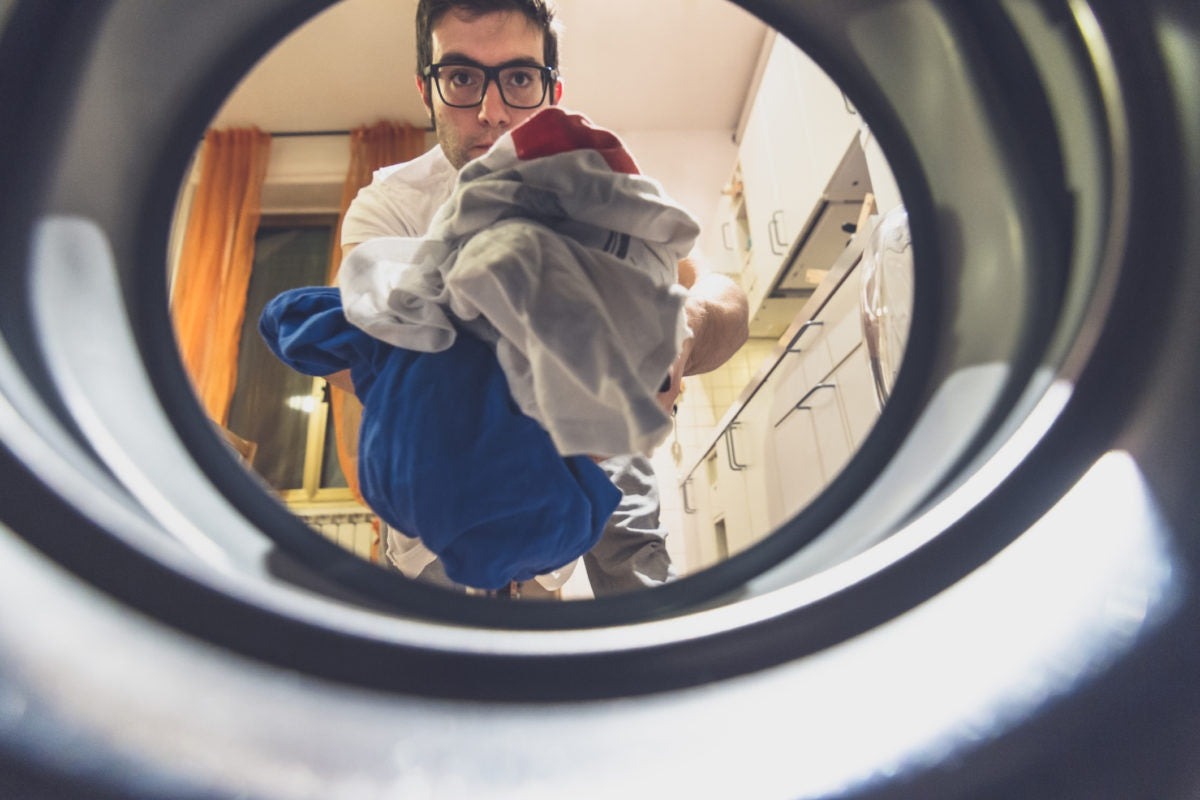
[
  {"x": 332, "y": 476},
  {"x": 272, "y": 403}
]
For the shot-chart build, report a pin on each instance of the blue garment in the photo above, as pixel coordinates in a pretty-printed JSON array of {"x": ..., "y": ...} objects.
[{"x": 444, "y": 453}]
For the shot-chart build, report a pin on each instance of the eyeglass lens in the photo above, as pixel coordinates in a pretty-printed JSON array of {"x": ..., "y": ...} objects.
[{"x": 520, "y": 87}]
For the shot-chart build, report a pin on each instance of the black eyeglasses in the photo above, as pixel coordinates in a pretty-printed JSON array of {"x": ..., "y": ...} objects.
[{"x": 464, "y": 85}]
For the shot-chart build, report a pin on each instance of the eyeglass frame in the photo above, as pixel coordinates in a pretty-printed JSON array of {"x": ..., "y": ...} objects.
[{"x": 492, "y": 75}]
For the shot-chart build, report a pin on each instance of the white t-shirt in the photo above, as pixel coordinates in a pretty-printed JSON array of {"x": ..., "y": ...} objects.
[{"x": 401, "y": 200}]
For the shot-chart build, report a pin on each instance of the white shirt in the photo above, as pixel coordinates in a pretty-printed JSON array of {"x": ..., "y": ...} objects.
[{"x": 400, "y": 200}]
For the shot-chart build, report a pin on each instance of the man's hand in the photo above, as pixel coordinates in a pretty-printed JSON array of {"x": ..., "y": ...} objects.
[
  {"x": 341, "y": 380},
  {"x": 717, "y": 315},
  {"x": 666, "y": 400}
]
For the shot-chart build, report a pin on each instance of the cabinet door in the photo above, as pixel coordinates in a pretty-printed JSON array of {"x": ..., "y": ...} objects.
[
  {"x": 704, "y": 546},
  {"x": 759, "y": 195},
  {"x": 813, "y": 397},
  {"x": 701, "y": 512},
  {"x": 738, "y": 527},
  {"x": 857, "y": 394},
  {"x": 795, "y": 450},
  {"x": 721, "y": 243},
  {"x": 832, "y": 122},
  {"x": 791, "y": 121},
  {"x": 693, "y": 548},
  {"x": 798, "y": 474},
  {"x": 829, "y": 425},
  {"x": 843, "y": 318},
  {"x": 748, "y": 441},
  {"x": 806, "y": 362},
  {"x": 841, "y": 410}
]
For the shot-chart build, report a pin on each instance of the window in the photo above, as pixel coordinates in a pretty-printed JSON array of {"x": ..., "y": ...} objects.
[{"x": 285, "y": 413}]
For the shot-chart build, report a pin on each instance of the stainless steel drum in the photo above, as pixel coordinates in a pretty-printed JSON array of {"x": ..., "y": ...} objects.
[{"x": 998, "y": 598}]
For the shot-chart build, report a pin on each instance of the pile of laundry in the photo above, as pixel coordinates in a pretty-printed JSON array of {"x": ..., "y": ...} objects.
[{"x": 530, "y": 330}]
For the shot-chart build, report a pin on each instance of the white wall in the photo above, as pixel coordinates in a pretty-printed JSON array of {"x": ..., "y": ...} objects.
[{"x": 692, "y": 166}]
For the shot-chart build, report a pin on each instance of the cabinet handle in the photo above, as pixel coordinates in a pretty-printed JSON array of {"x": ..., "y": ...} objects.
[
  {"x": 730, "y": 453},
  {"x": 726, "y": 227},
  {"x": 800, "y": 404},
  {"x": 687, "y": 507},
  {"x": 775, "y": 239},
  {"x": 812, "y": 323}
]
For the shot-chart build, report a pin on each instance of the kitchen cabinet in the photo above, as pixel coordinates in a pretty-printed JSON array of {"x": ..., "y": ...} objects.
[
  {"x": 702, "y": 546},
  {"x": 820, "y": 429},
  {"x": 796, "y": 138},
  {"x": 795, "y": 429},
  {"x": 799, "y": 473},
  {"x": 764, "y": 257},
  {"x": 788, "y": 229},
  {"x": 773, "y": 168},
  {"x": 833, "y": 437},
  {"x": 833, "y": 123},
  {"x": 732, "y": 509},
  {"x": 748, "y": 450},
  {"x": 729, "y": 500},
  {"x": 825, "y": 401},
  {"x": 858, "y": 395},
  {"x": 783, "y": 182},
  {"x": 806, "y": 434},
  {"x": 726, "y": 238}
]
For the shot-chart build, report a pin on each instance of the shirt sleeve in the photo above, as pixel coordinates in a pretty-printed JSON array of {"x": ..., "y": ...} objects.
[{"x": 306, "y": 329}]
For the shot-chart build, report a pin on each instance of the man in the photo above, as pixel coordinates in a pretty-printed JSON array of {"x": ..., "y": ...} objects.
[{"x": 484, "y": 67}]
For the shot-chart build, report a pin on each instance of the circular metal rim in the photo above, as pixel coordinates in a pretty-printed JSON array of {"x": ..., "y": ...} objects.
[
  {"x": 1101, "y": 696},
  {"x": 471, "y": 611}
]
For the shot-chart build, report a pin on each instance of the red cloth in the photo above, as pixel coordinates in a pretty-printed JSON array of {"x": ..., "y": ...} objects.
[{"x": 553, "y": 131}]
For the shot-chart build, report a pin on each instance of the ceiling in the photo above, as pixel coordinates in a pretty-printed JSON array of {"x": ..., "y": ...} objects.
[{"x": 630, "y": 65}]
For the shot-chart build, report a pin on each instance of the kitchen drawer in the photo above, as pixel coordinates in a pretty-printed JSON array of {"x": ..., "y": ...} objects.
[
  {"x": 843, "y": 319},
  {"x": 798, "y": 473},
  {"x": 860, "y": 401},
  {"x": 805, "y": 364},
  {"x": 829, "y": 424}
]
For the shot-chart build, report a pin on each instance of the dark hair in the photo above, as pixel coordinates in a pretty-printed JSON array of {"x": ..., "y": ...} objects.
[{"x": 539, "y": 12}]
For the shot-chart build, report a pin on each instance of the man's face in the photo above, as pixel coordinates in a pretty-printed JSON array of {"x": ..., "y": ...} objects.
[{"x": 491, "y": 39}]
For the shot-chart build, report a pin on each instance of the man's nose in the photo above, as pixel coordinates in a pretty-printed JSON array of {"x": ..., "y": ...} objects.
[{"x": 493, "y": 110}]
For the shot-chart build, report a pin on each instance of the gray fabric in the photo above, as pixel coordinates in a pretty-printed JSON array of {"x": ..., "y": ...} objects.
[
  {"x": 572, "y": 264},
  {"x": 632, "y": 551},
  {"x": 435, "y": 574}
]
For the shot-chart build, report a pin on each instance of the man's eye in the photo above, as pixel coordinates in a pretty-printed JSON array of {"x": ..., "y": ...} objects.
[
  {"x": 462, "y": 77},
  {"x": 520, "y": 78}
]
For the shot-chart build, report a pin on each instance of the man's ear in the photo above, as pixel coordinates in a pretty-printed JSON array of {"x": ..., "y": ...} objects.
[
  {"x": 423, "y": 90},
  {"x": 557, "y": 92}
]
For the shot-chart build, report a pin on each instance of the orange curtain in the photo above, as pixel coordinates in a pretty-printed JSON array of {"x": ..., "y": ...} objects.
[
  {"x": 371, "y": 147},
  {"x": 208, "y": 301}
]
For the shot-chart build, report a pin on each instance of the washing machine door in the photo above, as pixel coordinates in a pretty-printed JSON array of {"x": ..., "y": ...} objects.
[
  {"x": 1008, "y": 595},
  {"x": 887, "y": 297}
]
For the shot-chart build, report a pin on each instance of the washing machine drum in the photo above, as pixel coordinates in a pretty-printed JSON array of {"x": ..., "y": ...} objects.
[{"x": 996, "y": 598}]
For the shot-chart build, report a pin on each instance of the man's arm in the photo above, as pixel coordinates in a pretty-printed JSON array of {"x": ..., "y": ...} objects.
[
  {"x": 717, "y": 313},
  {"x": 719, "y": 316},
  {"x": 342, "y": 379}
]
